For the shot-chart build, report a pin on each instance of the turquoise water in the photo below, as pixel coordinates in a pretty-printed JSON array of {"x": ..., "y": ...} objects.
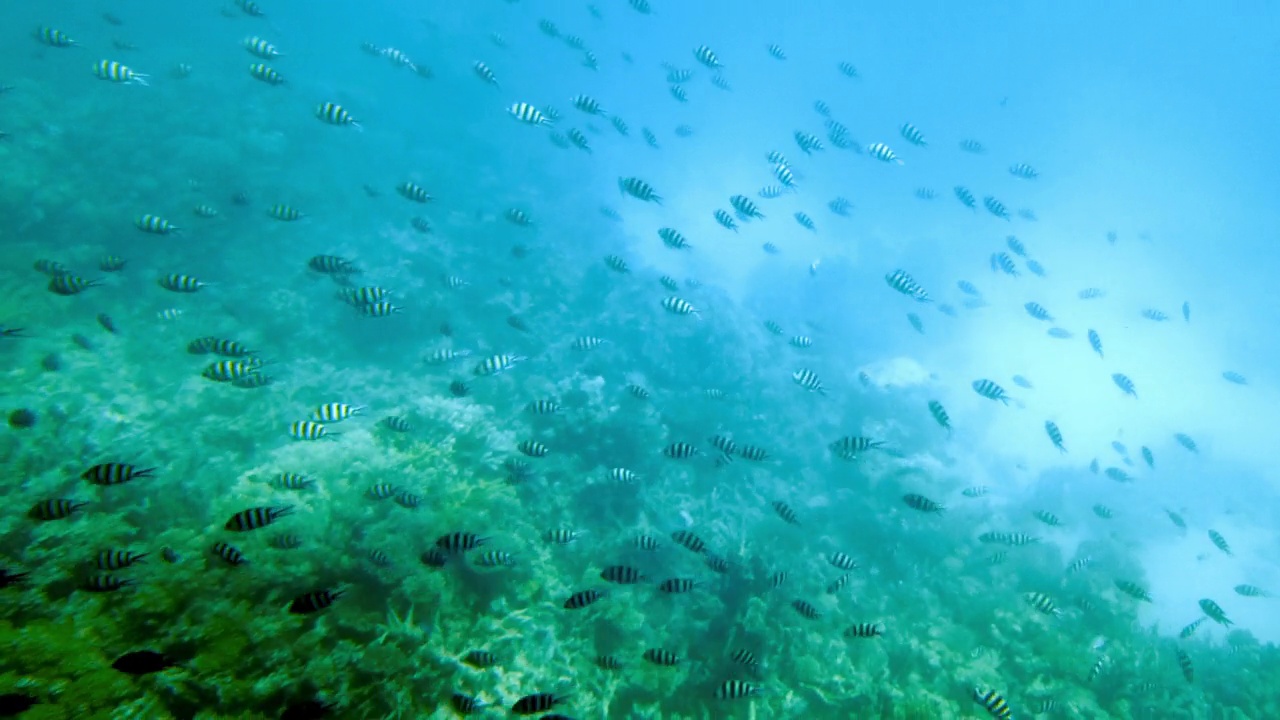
[{"x": 1148, "y": 219}]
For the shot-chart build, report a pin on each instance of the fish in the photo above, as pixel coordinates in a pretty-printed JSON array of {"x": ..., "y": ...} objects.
[
  {"x": 912, "y": 135},
  {"x": 901, "y": 281},
  {"x": 940, "y": 415},
  {"x": 786, "y": 512},
  {"x": 808, "y": 380},
  {"x": 1035, "y": 268},
  {"x": 990, "y": 390},
  {"x": 1047, "y": 518},
  {"x": 1042, "y": 603},
  {"x": 314, "y": 601},
  {"x": 1251, "y": 591},
  {"x": 966, "y": 197},
  {"x": 1234, "y": 378},
  {"x": 1013, "y": 539},
  {"x": 55, "y": 509},
  {"x": 1095, "y": 342},
  {"x": 1134, "y": 590},
  {"x": 1123, "y": 382},
  {"x": 1215, "y": 612},
  {"x": 637, "y": 188},
  {"x": 1185, "y": 441},
  {"x": 1102, "y": 511},
  {"x": 995, "y": 207},
  {"x": 863, "y": 630},
  {"x": 678, "y": 306},
  {"x": 1148, "y": 457},
  {"x": 1055, "y": 435},
  {"x": 1024, "y": 171},
  {"x": 268, "y": 75},
  {"x": 1190, "y": 629},
  {"x": 485, "y": 73},
  {"x": 463, "y": 703},
  {"x": 117, "y": 559},
  {"x": 1037, "y": 311},
  {"x": 975, "y": 491},
  {"x": 1153, "y": 314},
  {"x": 1002, "y": 262},
  {"x": 1186, "y": 311},
  {"x": 726, "y": 220},
  {"x": 113, "y": 473},
  {"x": 497, "y": 364},
  {"x": 972, "y": 146},
  {"x": 310, "y": 430},
  {"x": 622, "y": 575},
  {"x": 883, "y": 153},
  {"x": 805, "y": 221},
  {"x": 118, "y": 73},
  {"x": 334, "y": 114},
  {"x": 994, "y": 703},
  {"x": 1219, "y": 541},
  {"x": 923, "y": 504},
  {"x": 256, "y": 517},
  {"x": 1079, "y": 564},
  {"x": 736, "y": 689},
  {"x": 1184, "y": 662},
  {"x": 850, "y": 447},
  {"x": 707, "y": 57},
  {"x": 228, "y": 554},
  {"x": 528, "y": 114}
]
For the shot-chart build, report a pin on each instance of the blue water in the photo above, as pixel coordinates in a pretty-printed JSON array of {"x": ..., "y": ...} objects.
[{"x": 1150, "y": 129}]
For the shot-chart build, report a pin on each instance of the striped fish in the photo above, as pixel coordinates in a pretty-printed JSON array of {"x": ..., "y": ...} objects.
[
  {"x": 808, "y": 142},
  {"x": 940, "y": 415},
  {"x": 726, "y": 220},
  {"x": 229, "y": 554},
  {"x": 526, "y": 113},
  {"x": 842, "y": 561},
  {"x": 176, "y": 282},
  {"x": 882, "y": 152},
  {"x": 678, "y": 306},
  {"x": 706, "y": 56},
  {"x": 995, "y": 207},
  {"x": 309, "y": 430},
  {"x": 637, "y": 188},
  {"x": 737, "y": 689},
  {"x": 972, "y": 146},
  {"x": 1123, "y": 382},
  {"x": 673, "y": 239},
  {"x": 256, "y": 517},
  {"x": 902, "y": 282},
  {"x": 745, "y": 208},
  {"x": 261, "y": 48},
  {"x": 155, "y": 225},
  {"x": 965, "y": 196},
  {"x": 850, "y": 447},
  {"x": 839, "y": 136},
  {"x": 54, "y": 38},
  {"x": 990, "y": 390},
  {"x": 783, "y": 172},
  {"x": 847, "y": 69},
  {"x": 334, "y": 114},
  {"x": 485, "y": 73},
  {"x": 265, "y": 73},
  {"x": 808, "y": 380},
  {"x": 776, "y": 52},
  {"x": 413, "y": 191},
  {"x": 1042, "y": 603},
  {"x": 994, "y": 703},
  {"x": 56, "y": 509},
  {"x": 805, "y": 221},
  {"x": 912, "y": 134},
  {"x": 496, "y": 364},
  {"x": 118, "y": 73},
  {"x": 1055, "y": 435},
  {"x": 1037, "y": 311},
  {"x": 115, "y": 473},
  {"x": 1002, "y": 262},
  {"x": 1024, "y": 171},
  {"x": 588, "y": 105}
]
